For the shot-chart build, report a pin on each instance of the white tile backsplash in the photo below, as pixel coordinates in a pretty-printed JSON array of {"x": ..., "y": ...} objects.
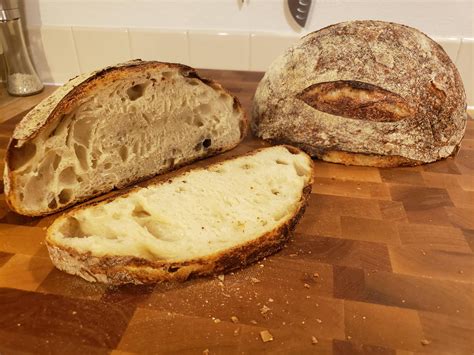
[
  {"x": 61, "y": 52},
  {"x": 465, "y": 64},
  {"x": 450, "y": 45},
  {"x": 162, "y": 45},
  {"x": 97, "y": 47},
  {"x": 266, "y": 47},
  {"x": 219, "y": 50}
]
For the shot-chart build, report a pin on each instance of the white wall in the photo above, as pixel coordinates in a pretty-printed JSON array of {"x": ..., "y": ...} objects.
[
  {"x": 68, "y": 37},
  {"x": 437, "y": 18}
]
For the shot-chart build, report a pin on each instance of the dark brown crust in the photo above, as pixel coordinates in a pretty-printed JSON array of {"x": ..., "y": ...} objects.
[
  {"x": 350, "y": 158},
  {"x": 121, "y": 270},
  {"x": 374, "y": 106},
  {"x": 86, "y": 88},
  {"x": 378, "y": 161}
]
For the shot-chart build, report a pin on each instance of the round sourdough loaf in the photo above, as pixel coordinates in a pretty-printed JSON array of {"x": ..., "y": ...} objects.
[{"x": 364, "y": 93}]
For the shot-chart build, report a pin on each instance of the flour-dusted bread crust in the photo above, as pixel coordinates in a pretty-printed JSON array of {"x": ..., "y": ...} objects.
[
  {"x": 114, "y": 127},
  {"x": 364, "y": 93},
  {"x": 202, "y": 222}
]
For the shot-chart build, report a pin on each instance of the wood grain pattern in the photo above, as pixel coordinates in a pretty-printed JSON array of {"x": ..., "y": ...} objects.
[{"x": 382, "y": 262}]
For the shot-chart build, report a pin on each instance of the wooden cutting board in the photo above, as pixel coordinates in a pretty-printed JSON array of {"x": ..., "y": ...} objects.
[{"x": 381, "y": 262}]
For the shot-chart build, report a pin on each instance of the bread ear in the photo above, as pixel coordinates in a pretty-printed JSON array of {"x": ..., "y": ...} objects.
[{"x": 359, "y": 100}]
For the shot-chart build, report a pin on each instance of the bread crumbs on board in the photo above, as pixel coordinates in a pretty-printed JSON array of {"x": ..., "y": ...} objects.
[
  {"x": 314, "y": 340},
  {"x": 264, "y": 310},
  {"x": 266, "y": 336}
]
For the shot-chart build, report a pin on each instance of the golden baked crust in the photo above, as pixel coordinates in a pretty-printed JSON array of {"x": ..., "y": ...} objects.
[
  {"x": 379, "y": 161},
  {"x": 354, "y": 99}
]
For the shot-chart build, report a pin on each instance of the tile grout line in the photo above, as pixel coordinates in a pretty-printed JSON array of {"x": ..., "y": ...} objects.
[
  {"x": 188, "y": 48},
  {"x": 76, "y": 50},
  {"x": 249, "y": 39},
  {"x": 129, "y": 40}
]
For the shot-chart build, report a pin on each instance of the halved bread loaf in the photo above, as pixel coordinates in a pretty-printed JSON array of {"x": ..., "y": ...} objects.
[
  {"x": 114, "y": 127},
  {"x": 201, "y": 222}
]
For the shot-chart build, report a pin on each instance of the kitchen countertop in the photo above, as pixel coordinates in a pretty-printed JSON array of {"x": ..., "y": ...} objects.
[{"x": 381, "y": 262}]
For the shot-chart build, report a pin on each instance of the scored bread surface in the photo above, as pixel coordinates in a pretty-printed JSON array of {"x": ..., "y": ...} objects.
[
  {"x": 364, "y": 93},
  {"x": 114, "y": 127},
  {"x": 201, "y": 222}
]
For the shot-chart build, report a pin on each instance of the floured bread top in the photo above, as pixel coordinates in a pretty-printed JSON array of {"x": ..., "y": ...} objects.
[
  {"x": 367, "y": 87},
  {"x": 196, "y": 214}
]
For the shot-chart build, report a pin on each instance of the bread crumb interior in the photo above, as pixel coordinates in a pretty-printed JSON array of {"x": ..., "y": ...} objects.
[
  {"x": 132, "y": 128},
  {"x": 196, "y": 214}
]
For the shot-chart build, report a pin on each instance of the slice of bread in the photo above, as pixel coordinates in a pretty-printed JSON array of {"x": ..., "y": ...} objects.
[
  {"x": 201, "y": 222},
  {"x": 114, "y": 127}
]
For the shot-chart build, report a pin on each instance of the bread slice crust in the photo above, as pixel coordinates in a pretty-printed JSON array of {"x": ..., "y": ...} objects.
[
  {"x": 73, "y": 93},
  {"x": 129, "y": 269}
]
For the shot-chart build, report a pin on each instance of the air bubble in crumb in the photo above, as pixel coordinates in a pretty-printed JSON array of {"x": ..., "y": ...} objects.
[{"x": 266, "y": 336}]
